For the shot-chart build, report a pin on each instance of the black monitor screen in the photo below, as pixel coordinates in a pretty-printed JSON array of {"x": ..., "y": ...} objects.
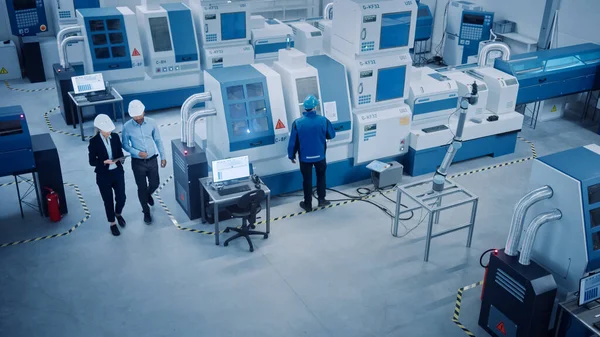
[
  {"x": 8, "y": 128},
  {"x": 161, "y": 36},
  {"x": 20, "y": 5},
  {"x": 473, "y": 19}
]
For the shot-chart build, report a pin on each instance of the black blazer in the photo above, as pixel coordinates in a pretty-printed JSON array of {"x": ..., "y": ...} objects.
[{"x": 97, "y": 152}]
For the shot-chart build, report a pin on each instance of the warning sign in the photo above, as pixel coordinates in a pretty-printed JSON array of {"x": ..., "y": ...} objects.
[
  {"x": 553, "y": 109},
  {"x": 135, "y": 52},
  {"x": 3, "y": 71},
  {"x": 279, "y": 125},
  {"x": 501, "y": 328}
]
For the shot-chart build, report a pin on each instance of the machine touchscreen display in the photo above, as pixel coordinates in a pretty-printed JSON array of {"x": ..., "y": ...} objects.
[
  {"x": 307, "y": 86},
  {"x": 20, "y": 5},
  {"x": 161, "y": 36}
]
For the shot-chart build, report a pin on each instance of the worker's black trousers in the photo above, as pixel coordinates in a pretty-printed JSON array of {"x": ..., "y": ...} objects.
[
  {"x": 145, "y": 172},
  {"x": 113, "y": 180},
  {"x": 306, "y": 169}
]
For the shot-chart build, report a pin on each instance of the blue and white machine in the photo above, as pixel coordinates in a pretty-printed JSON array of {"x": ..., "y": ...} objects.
[
  {"x": 16, "y": 153},
  {"x": 65, "y": 10},
  {"x": 433, "y": 98},
  {"x": 223, "y": 29},
  {"x": 169, "y": 41},
  {"x": 267, "y": 40},
  {"x": 307, "y": 38},
  {"x": 324, "y": 78},
  {"x": 113, "y": 44},
  {"x": 250, "y": 120},
  {"x": 368, "y": 26},
  {"x": 424, "y": 29},
  {"x": 27, "y": 17},
  {"x": 467, "y": 25}
]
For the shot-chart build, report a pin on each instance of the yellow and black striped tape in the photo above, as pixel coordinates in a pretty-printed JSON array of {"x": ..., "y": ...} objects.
[
  {"x": 168, "y": 124},
  {"x": 71, "y": 230},
  {"x": 176, "y": 224},
  {"x": 26, "y": 90},
  {"x": 456, "y": 314}
]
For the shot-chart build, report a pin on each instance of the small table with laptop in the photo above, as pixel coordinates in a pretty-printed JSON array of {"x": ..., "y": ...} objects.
[
  {"x": 585, "y": 310},
  {"x": 90, "y": 90},
  {"x": 231, "y": 186}
]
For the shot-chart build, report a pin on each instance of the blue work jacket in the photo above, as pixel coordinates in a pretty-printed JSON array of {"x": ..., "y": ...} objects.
[{"x": 309, "y": 137}]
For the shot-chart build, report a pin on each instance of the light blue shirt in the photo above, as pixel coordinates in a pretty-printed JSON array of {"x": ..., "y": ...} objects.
[
  {"x": 142, "y": 138},
  {"x": 106, "y": 141}
]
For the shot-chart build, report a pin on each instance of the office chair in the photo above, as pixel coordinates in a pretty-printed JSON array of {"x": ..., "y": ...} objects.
[{"x": 247, "y": 207}]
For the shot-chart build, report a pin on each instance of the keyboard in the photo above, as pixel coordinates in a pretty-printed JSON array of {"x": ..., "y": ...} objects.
[
  {"x": 101, "y": 97},
  {"x": 234, "y": 190},
  {"x": 435, "y": 128}
]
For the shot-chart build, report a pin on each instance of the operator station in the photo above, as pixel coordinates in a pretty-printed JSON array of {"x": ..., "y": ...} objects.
[{"x": 283, "y": 168}]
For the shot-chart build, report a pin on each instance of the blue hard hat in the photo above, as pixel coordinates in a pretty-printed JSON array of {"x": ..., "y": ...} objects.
[{"x": 310, "y": 102}]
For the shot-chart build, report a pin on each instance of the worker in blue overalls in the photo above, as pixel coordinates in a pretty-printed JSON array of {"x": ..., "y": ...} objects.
[{"x": 309, "y": 139}]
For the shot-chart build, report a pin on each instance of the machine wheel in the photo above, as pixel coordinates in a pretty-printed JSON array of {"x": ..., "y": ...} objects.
[
  {"x": 253, "y": 226},
  {"x": 226, "y": 244}
]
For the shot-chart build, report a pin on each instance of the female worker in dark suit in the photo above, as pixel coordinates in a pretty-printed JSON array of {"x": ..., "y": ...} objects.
[{"x": 106, "y": 155}]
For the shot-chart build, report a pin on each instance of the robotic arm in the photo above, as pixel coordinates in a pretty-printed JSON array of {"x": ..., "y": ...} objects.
[{"x": 439, "y": 178}]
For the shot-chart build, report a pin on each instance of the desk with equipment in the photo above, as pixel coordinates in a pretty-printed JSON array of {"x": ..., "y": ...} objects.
[
  {"x": 91, "y": 91},
  {"x": 586, "y": 310},
  {"x": 231, "y": 182}
]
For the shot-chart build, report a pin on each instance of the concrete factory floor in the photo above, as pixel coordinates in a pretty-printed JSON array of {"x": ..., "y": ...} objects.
[{"x": 333, "y": 272}]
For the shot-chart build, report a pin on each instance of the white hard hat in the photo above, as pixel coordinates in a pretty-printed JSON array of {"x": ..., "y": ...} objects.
[
  {"x": 104, "y": 123},
  {"x": 136, "y": 108}
]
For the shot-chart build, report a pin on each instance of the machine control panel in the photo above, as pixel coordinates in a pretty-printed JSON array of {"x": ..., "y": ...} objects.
[
  {"x": 475, "y": 27},
  {"x": 222, "y": 22},
  {"x": 27, "y": 17}
]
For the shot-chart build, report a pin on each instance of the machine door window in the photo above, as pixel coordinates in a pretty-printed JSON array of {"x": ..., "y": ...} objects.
[
  {"x": 240, "y": 128},
  {"x": 237, "y": 111},
  {"x": 101, "y": 53},
  {"x": 257, "y": 108},
  {"x": 395, "y": 30},
  {"x": 99, "y": 39},
  {"x": 233, "y": 26},
  {"x": 255, "y": 90},
  {"x": 115, "y": 38},
  {"x": 97, "y": 26},
  {"x": 390, "y": 83},
  {"x": 307, "y": 86},
  {"x": 113, "y": 24},
  {"x": 8, "y": 128},
  {"x": 161, "y": 35},
  {"x": 593, "y": 194},
  {"x": 118, "y": 51},
  {"x": 259, "y": 124},
  {"x": 595, "y": 217},
  {"x": 596, "y": 240},
  {"x": 235, "y": 93}
]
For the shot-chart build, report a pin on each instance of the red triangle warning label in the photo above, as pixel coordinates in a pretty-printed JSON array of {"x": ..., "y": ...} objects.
[
  {"x": 279, "y": 125},
  {"x": 135, "y": 52},
  {"x": 501, "y": 328}
]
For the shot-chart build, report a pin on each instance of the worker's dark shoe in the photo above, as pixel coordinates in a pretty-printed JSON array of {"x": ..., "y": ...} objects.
[
  {"x": 147, "y": 218},
  {"x": 324, "y": 203},
  {"x": 150, "y": 200},
  {"x": 115, "y": 230},
  {"x": 121, "y": 221},
  {"x": 305, "y": 207}
]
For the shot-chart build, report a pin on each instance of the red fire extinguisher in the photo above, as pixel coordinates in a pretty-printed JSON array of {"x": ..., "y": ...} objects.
[{"x": 53, "y": 205}]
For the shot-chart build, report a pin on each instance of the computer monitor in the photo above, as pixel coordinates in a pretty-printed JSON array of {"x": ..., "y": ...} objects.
[
  {"x": 88, "y": 83},
  {"x": 230, "y": 169},
  {"x": 589, "y": 289}
]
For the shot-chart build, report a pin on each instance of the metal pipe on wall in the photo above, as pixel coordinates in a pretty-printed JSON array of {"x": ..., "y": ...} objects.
[
  {"x": 59, "y": 39},
  {"x": 327, "y": 10},
  {"x": 186, "y": 107},
  {"x": 518, "y": 218},
  {"x": 531, "y": 232},
  {"x": 191, "y": 123}
]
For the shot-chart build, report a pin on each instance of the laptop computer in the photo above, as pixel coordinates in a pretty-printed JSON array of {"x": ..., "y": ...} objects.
[
  {"x": 92, "y": 86},
  {"x": 229, "y": 173}
]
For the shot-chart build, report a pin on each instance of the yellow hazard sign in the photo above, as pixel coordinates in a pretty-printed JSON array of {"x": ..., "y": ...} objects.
[
  {"x": 3, "y": 71},
  {"x": 553, "y": 109}
]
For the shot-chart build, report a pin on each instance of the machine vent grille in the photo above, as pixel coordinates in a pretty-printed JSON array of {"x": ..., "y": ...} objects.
[
  {"x": 320, "y": 27},
  {"x": 295, "y": 30},
  {"x": 510, "y": 285}
]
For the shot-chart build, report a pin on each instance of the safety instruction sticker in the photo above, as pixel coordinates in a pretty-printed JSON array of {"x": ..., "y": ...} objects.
[
  {"x": 3, "y": 71},
  {"x": 553, "y": 109},
  {"x": 404, "y": 120},
  {"x": 279, "y": 125},
  {"x": 331, "y": 111},
  {"x": 135, "y": 52}
]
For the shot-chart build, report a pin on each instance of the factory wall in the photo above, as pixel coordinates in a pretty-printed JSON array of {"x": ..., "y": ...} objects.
[
  {"x": 527, "y": 14},
  {"x": 578, "y": 22}
]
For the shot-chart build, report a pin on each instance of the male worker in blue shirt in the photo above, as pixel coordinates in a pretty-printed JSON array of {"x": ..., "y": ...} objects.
[
  {"x": 309, "y": 139},
  {"x": 142, "y": 140}
]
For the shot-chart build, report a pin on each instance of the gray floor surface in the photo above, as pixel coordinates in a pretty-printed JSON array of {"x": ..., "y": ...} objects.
[{"x": 334, "y": 272}]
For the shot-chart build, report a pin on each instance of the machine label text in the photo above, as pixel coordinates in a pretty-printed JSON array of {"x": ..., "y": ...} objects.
[
  {"x": 161, "y": 61},
  {"x": 407, "y": 3},
  {"x": 220, "y": 51},
  {"x": 371, "y": 6},
  {"x": 281, "y": 139},
  {"x": 368, "y": 117},
  {"x": 369, "y": 62}
]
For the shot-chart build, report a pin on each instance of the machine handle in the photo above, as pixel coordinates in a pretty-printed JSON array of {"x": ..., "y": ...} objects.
[
  {"x": 360, "y": 89},
  {"x": 256, "y": 143},
  {"x": 363, "y": 34},
  {"x": 206, "y": 27},
  {"x": 542, "y": 80},
  {"x": 113, "y": 66}
]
